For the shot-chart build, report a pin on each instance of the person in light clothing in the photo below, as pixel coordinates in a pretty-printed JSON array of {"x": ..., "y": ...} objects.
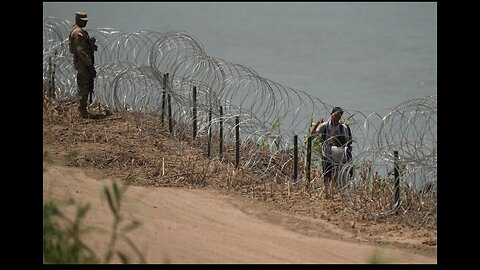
[{"x": 336, "y": 143}]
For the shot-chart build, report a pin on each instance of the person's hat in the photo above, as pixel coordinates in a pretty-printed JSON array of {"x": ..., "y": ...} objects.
[
  {"x": 81, "y": 15},
  {"x": 337, "y": 109}
]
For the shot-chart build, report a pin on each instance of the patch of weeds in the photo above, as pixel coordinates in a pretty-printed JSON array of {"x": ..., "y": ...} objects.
[
  {"x": 62, "y": 236},
  {"x": 46, "y": 156},
  {"x": 130, "y": 179},
  {"x": 114, "y": 195},
  {"x": 70, "y": 156},
  {"x": 374, "y": 258},
  {"x": 47, "y": 159}
]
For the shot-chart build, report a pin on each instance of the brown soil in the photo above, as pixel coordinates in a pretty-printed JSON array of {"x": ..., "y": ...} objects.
[{"x": 195, "y": 209}]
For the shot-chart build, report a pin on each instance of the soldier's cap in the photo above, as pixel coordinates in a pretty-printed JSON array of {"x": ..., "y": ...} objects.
[
  {"x": 81, "y": 15},
  {"x": 337, "y": 109}
]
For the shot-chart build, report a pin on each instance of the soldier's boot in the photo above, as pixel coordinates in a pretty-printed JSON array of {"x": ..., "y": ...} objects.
[{"x": 82, "y": 109}]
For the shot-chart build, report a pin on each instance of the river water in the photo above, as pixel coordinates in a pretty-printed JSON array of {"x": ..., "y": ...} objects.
[{"x": 360, "y": 56}]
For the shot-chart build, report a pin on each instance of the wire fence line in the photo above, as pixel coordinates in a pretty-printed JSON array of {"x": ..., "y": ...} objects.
[{"x": 136, "y": 70}]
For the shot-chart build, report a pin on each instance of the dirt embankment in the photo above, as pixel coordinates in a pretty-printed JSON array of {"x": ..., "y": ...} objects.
[{"x": 199, "y": 210}]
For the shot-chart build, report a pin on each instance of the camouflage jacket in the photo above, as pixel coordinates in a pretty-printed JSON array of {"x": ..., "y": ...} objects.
[{"x": 81, "y": 47}]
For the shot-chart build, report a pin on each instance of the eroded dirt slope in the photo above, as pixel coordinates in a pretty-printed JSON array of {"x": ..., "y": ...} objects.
[{"x": 196, "y": 209}]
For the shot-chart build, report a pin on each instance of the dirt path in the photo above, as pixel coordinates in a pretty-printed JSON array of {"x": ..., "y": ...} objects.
[{"x": 206, "y": 226}]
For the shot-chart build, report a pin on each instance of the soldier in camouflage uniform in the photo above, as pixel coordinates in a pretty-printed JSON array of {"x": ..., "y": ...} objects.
[{"x": 82, "y": 47}]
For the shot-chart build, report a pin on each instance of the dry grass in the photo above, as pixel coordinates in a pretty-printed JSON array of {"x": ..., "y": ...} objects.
[{"x": 139, "y": 150}]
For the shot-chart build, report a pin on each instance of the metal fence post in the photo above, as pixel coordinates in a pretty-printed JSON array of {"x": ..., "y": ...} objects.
[
  {"x": 397, "y": 181},
  {"x": 237, "y": 141},
  {"x": 194, "y": 112},
  {"x": 295, "y": 157}
]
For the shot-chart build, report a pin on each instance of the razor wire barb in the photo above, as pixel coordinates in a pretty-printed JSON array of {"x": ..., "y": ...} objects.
[{"x": 130, "y": 76}]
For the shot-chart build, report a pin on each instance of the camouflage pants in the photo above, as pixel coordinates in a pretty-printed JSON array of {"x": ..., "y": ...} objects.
[{"x": 84, "y": 84}]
